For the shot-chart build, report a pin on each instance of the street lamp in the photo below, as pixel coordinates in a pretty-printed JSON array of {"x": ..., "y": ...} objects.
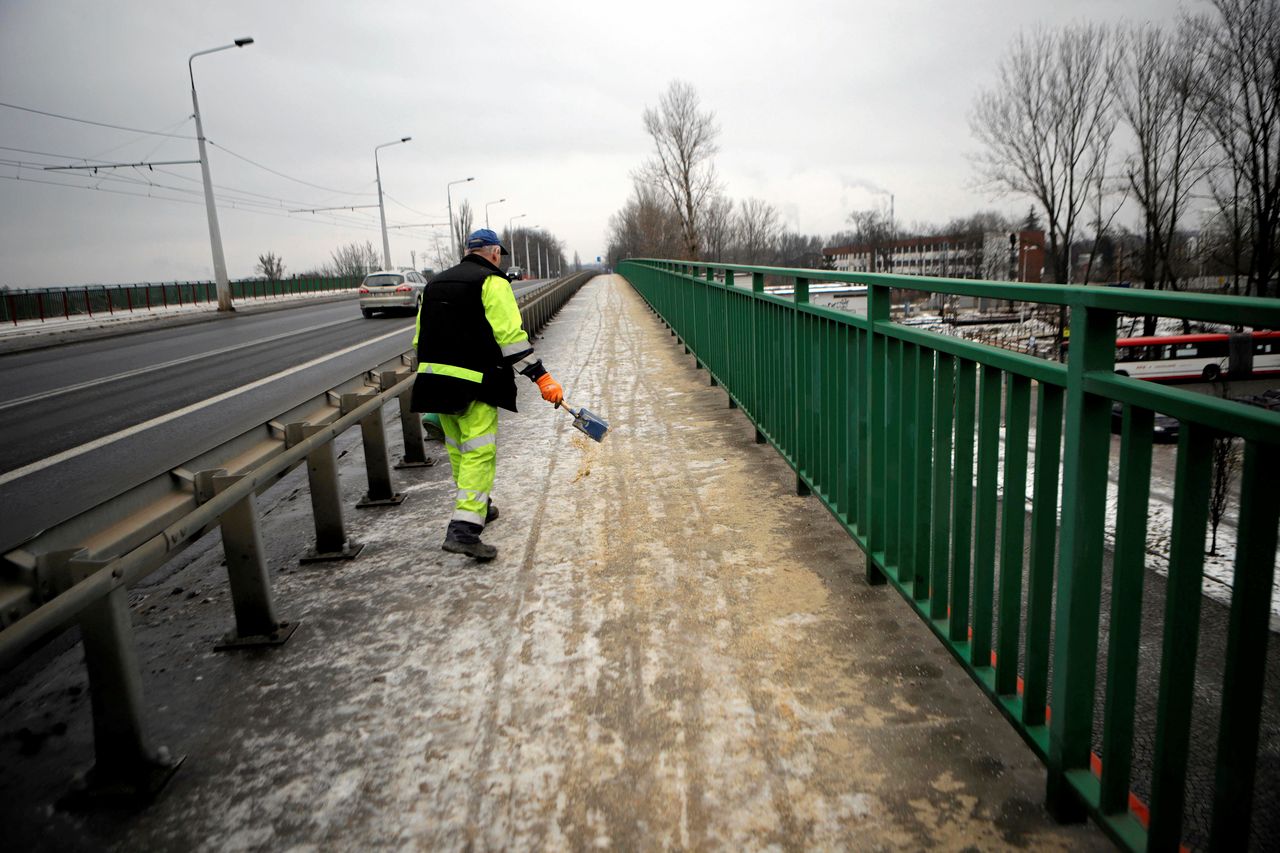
[
  {"x": 487, "y": 204},
  {"x": 382, "y": 213},
  {"x": 527, "y": 261},
  {"x": 215, "y": 234},
  {"x": 511, "y": 238},
  {"x": 453, "y": 239}
]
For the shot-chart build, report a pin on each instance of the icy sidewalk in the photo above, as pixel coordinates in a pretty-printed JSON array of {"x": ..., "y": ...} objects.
[{"x": 671, "y": 651}]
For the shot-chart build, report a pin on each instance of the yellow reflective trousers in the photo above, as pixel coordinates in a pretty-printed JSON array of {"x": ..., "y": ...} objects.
[{"x": 472, "y": 441}]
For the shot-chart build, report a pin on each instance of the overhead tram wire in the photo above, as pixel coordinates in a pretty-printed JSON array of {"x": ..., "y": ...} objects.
[
  {"x": 154, "y": 197},
  {"x": 228, "y": 193},
  {"x": 159, "y": 144},
  {"x": 94, "y": 182},
  {"x": 412, "y": 209},
  {"x": 96, "y": 123},
  {"x": 281, "y": 174},
  {"x": 176, "y": 136}
]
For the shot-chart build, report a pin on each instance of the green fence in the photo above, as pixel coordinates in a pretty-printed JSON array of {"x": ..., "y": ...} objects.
[
  {"x": 908, "y": 436},
  {"x": 103, "y": 300}
]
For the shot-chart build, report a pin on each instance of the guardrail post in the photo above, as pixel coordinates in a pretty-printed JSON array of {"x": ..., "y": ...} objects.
[
  {"x": 415, "y": 454},
  {"x": 326, "y": 499},
  {"x": 256, "y": 621},
  {"x": 381, "y": 492},
  {"x": 1084, "y": 502},
  {"x": 126, "y": 767}
]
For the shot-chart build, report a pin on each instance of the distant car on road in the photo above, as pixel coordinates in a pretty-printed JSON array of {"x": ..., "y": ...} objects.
[
  {"x": 388, "y": 290},
  {"x": 1164, "y": 429},
  {"x": 515, "y": 273}
]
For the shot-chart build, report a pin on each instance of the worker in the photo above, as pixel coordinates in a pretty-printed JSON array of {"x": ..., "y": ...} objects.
[{"x": 469, "y": 341}]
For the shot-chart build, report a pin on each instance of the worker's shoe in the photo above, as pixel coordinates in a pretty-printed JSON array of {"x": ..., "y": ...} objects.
[
  {"x": 492, "y": 514},
  {"x": 464, "y": 538}
]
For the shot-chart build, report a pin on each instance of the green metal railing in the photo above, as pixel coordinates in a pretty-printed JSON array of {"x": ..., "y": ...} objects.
[
  {"x": 900, "y": 433},
  {"x": 106, "y": 299}
]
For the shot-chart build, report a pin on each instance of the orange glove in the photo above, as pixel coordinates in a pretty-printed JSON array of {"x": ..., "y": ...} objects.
[{"x": 551, "y": 390}]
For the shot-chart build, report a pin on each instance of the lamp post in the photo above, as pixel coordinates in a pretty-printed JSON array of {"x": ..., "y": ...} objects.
[
  {"x": 511, "y": 237},
  {"x": 487, "y": 205},
  {"x": 382, "y": 213},
  {"x": 215, "y": 234},
  {"x": 453, "y": 240},
  {"x": 528, "y": 261}
]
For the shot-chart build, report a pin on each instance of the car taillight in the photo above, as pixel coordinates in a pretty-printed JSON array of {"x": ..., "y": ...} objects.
[
  {"x": 404, "y": 288},
  {"x": 364, "y": 289}
]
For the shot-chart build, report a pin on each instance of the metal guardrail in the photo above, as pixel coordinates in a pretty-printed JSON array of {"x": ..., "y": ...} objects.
[
  {"x": 79, "y": 572},
  {"x": 90, "y": 300},
  {"x": 881, "y": 421}
]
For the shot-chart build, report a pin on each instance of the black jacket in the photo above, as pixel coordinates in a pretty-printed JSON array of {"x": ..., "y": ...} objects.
[{"x": 457, "y": 345}]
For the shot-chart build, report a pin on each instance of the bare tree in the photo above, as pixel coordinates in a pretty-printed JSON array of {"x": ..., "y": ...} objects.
[
  {"x": 1241, "y": 50},
  {"x": 462, "y": 224},
  {"x": 1105, "y": 197},
  {"x": 270, "y": 266},
  {"x": 719, "y": 228},
  {"x": 873, "y": 230},
  {"x": 1046, "y": 123},
  {"x": 1158, "y": 102},
  {"x": 681, "y": 168},
  {"x": 354, "y": 259},
  {"x": 645, "y": 227},
  {"x": 1226, "y": 461},
  {"x": 800, "y": 251},
  {"x": 758, "y": 230}
]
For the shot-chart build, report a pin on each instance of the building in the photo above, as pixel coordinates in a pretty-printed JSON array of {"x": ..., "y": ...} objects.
[{"x": 994, "y": 256}]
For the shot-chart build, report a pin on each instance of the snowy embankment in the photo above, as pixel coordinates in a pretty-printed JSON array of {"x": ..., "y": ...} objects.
[{"x": 1219, "y": 568}]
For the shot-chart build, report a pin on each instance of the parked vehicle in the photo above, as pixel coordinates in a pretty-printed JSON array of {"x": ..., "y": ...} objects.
[
  {"x": 387, "y": 290},
  {"x": 1164, "y": 429}
]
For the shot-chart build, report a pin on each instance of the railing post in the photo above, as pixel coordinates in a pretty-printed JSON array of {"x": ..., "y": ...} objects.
[
  {"x": 415, "y": 454},
  {"x": 126, "y": 767},
  {"x": 757, "y": 290},
  {"x": 724, "y": 337},
  {"x": 1084, "y": 502},
  {"x": 800, "y": 297},
  {"x": 377, "y": 467},
  {"x": 256, "y": 620},
  {"x": 878, "y": 299},
  {"x": 326, "y": 499}
]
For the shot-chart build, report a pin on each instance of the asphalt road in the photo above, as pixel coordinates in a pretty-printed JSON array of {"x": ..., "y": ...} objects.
[{"x": 79, "y": 420}]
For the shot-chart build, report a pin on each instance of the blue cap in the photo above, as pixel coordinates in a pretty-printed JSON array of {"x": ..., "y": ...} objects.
[{"x": 485, "y": 237}]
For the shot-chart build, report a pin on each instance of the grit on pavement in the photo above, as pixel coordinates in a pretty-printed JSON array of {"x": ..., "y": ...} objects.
[{"x": 671, "y": 651}]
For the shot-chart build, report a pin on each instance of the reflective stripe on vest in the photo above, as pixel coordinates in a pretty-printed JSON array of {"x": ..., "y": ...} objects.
[{"x": 451, "y": 370}]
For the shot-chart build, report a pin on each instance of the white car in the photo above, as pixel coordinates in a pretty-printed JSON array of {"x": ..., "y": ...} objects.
[{"x": 391, "y": 290}]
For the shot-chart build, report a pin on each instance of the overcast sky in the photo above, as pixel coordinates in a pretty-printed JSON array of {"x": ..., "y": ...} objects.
[{"x": 540, "y": 102}]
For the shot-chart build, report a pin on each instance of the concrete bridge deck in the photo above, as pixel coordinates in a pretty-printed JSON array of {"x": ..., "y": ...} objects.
[{"x": 671, "y": 651}]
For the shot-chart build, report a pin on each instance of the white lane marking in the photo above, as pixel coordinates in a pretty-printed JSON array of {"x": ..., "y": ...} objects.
[
  {"x": 59, "y": 458},
  {"x": 44, "y": 395}
]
